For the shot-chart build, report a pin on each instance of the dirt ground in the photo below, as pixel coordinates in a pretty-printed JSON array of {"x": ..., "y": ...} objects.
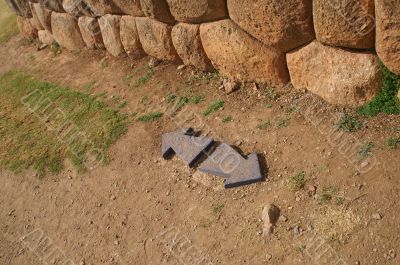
[{"x": 141, "y": 209}]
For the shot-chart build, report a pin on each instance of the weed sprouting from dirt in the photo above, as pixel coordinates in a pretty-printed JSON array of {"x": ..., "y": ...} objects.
[
  {"x": 264, "y": 125},
  {"x": 217, "y": 208},
  {"x": 393, "y": 142},
  {"x": 281, "y": 123},
  {"x": 386, "y": 101},
  {"x": 348, "y": 123},
  {"x": 144, "y": 79},
  {"x": 150, "y": 117},
  {"x": 55, "y": 48},
  {"x": 227, "y": 119},
  {"x": 214, "y": 107},
  {"x": 144, "y": 100},
  {"x": 329, "y": 193},
  {"x": 365, "y": 150},
  {"x": 34, "y": 137},
  {"x": 196, "y": 99},
  {"x": 297, "y": 181}
]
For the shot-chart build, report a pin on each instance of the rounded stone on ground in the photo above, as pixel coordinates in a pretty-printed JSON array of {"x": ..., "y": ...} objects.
[
  {"x": 239, "y": 56},
  {"x": 156, "y": 39},
  {"x": 187, "y": 42}
]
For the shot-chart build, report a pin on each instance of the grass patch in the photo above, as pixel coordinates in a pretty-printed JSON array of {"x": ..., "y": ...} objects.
[
  {"x": 393, "y": 142},
  {"x": 281, "y": 123},
  {"x": 145, "y": 78},
  {"x": 55, "y": 48},
  {"x": 264, "y": 125},
  {"x": 386, "y": 101},
  {"x": 8, "y": 23},
  {"x": 214, "y": 107},
  {"x": 217, "y": 208},
  {"x": 365, "y": 150},
  {"x": 328, "y": 194},
  {"x": 196, "y": 99},
  {"x": 348, "y": 123},
  {"x": 297, "y": 181},
  {"x": 150, "y": 117},
  {"x": 227, "y": 119},
  {"x": 42, "y": 124}
]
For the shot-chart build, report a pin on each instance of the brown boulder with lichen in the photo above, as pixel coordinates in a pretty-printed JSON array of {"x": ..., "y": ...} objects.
[
  {"x": 66, "y": 31},
  {"x": 157, "y": 9},
  {"x": 187, "y": 42},
  {"x": 25, "y": 27},
  {"x": 130, "y": 37},
  {"x": 345, "y": 23},
  {"x": 156, "y": 39},
  {"x": 388, "y": 33},
  {"x": 110, "y": 31},
  {"x": 91, "y": 33},
  {"x": 284, "y": 25},
  {"x": 198, "y": 11},
  {"x": 339, "y": 76},
  {"x": 239, "y": 56}
]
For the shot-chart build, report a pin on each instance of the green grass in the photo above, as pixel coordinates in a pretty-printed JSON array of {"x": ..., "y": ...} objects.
[
  {"x": 150, "y": 117},
  {"x": 365, "y": 150},
  {"x": 281, "y": 123},
  {"x": 8, "y": 23},
  {"x": 264, "y": 125},
  {"x": 327, "y": 194},
  {"x": 196, "y": 99},
  {"x": 55, "y": 48},
  {"x": 227, "y": 119},
  {"x": 32, "y": 138},
  {"x": 145, "y": 78},
  {"x": 217, "y": 208},
  {"x": 348, "y": 123},
  {"x": 393, "y": 142},
  {"x": 386, "y": 101},
  {"x": 297, "y": 181},
  {"x": 214, "y": 107}
]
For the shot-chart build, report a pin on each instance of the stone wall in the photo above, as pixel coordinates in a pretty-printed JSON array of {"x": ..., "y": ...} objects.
[{"x": 331, "y": 48}]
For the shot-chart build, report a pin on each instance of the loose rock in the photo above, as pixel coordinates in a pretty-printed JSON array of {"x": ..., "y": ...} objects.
[
  {"x": 230, "y": 86},
  {"x": 270, "y": 216}
]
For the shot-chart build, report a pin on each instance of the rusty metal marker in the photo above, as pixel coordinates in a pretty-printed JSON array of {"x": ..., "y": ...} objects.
[
  {"x": 224, "y": 161},
  {"x": 186, "y": 146}
]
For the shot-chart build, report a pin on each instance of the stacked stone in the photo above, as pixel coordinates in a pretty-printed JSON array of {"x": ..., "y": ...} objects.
[{"x": 326, "y": 47}]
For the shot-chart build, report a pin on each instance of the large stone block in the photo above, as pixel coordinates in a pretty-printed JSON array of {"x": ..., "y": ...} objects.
[
  {"x": 130, "y": 37},
  {"x": 156, "y": 39},
  {"x": 42, "y": 15},
  {"x": 388, "y": 33},
  {"x": 25, "y": 27},
  {"x": 53, "y": 5},
  {"x": 345, "y": 23},
  {"x": 198, "y": 11},
  {"x": 110, "y": 30},
  {"x": 35, "y": 19},
  {"x": 339, "y": 76},
  {"x": 187, "y": 42},
  {"x": 91, "y": 33},
  {"x": 21, "y": 7},
  {"x": 77, "y": 8},
  {"x": 157, "y": 9},
  {"x": 284, "y": 25},
  {"x": 239, "y": 56},
  {"x": 130, "y": 7},
  {"x": 45, "y": 37},
  {"x": 103, "y": 7},
  {"x": 66, "y": 31}
]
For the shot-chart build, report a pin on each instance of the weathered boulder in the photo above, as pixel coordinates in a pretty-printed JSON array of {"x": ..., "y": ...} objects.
[
  {"x": 35, "y": 19},
  {"x": 91, "y": 33},
  {"x": 110, "y": 30},
  {"x": 53, "y": 5},
  {"x": 187, "y": 42},
  {"x": 284, "y": 25},
  {"x": 241, "y": 57},
  {"x": 156, "y": 39},
  {"x": 157, "y": 9},
  {"x": 130, "y": 37},
  {"x": 130, "y": 7},
  {"x": 198, "y": 11},
  {"x": 45, "y": 37},
  {"x": 345, "y": 23},
  {"x": 20, "y": 7},
  {"x": 339, "y": 76},
  {"x": 388, "y": 33},
  {"x": 77, "y": 8},
  {"x": 66, "y": 31},
  {"x": 26, "y": 28},
  {"x": 43, "y": 15},
  {"x": 103, "y": 7}
]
